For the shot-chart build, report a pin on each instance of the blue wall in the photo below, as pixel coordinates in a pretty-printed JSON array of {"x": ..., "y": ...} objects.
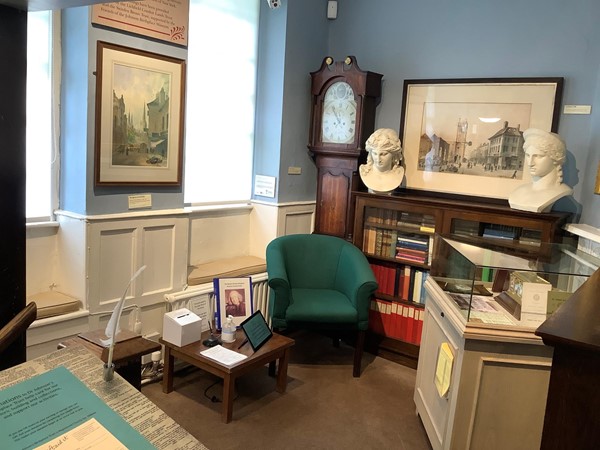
[
  {"x": 400, "y": 39},
  {"x": 473, "y": 39},
  {"x": 78, "y": 193},
  {"x": 292, "y": 43}
]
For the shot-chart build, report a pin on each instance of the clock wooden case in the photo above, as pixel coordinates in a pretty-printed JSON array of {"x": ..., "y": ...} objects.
[{"x": 344, "y": 99}]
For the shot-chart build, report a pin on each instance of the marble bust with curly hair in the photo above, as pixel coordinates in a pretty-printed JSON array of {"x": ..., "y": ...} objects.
[
  {"x": 545, "y": 154},
  {"x": 382, "y": 173}
]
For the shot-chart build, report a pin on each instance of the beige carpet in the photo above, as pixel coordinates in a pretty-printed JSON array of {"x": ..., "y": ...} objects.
[{"x": 324, "y": 407}]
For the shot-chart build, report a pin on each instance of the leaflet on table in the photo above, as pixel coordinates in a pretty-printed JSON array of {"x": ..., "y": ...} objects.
[
  {"x": 477, "y": 302},
  {"x": 90, "y": 435},
  {"x": 45, "y": 407},
  {"x": 482, "y": 309},
  {"x": 223, "y": 355}
]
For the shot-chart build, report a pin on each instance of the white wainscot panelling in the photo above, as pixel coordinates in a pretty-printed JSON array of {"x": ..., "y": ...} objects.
[
  {"x": 44, "y": 335},
  {"x": 296, "y": 219},
  {"x": 118, "y": 248},
  {"x": 219, "y": 234},
  {"x": 269, "y": 221},
  {"x": 41, "y": 257}
]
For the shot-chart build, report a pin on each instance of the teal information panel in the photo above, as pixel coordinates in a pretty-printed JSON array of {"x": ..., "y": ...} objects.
[{"x": 47, "y": 406}]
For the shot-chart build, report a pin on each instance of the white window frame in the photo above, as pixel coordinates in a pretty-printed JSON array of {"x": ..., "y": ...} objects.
[
  {"x": 54, "y": 168},
  {"x": 221, "y": 57}
]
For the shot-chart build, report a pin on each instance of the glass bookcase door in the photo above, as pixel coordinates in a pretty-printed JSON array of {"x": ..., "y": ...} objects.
[{"x": 398, "y": 235}]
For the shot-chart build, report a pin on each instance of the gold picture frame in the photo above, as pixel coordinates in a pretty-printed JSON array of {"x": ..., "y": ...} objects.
[{"x": 139, "y": 117}]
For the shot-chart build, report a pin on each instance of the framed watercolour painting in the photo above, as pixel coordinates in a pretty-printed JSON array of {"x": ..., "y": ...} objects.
[
  {"x": 139, "y": 117},
  {"x": 465, "y": 136}
]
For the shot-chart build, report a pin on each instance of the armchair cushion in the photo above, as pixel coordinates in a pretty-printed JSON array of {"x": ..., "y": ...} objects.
[{"x": 321, "y": 306}]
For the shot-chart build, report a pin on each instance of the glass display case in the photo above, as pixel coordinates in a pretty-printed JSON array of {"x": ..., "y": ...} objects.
[{"x": 496, "y": 285}]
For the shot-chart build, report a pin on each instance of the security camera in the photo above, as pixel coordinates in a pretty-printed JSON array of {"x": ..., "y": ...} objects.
[{"x": 273, "y": 4}]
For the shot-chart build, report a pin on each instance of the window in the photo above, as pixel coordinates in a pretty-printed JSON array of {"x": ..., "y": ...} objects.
[
  {"x": 41, "y": 140},
  {"x": 220, "y": 102}
]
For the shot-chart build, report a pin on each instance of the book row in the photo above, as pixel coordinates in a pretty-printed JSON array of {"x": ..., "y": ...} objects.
[
  {"x": 417, "y": 221},
  {"x": 404, "y": 282},
  {"x": 473, "y": 228},
  {"x": 397, "y": 321},
  {"x": 397, "y": 245}
]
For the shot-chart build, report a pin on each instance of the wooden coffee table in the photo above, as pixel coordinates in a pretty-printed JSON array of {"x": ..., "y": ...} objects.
[{"x": 277, "y": 348}]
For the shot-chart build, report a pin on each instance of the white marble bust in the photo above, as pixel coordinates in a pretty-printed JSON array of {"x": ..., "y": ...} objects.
[
  {"x": 545, "y": 154},
  {"x": 382, "y": 173}
]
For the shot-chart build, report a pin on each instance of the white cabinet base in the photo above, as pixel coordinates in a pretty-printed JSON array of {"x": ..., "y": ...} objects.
[{"x": 499, "y": 383}]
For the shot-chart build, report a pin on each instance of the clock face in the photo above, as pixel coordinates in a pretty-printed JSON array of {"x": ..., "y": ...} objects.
[{"x": 339, "y": 114}]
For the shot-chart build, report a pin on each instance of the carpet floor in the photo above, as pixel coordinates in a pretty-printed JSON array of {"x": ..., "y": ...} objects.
[{"x": 324, "y": 407}]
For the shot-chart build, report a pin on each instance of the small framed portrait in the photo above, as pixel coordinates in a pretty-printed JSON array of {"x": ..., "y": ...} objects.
[{"x": 234, "y": 298}]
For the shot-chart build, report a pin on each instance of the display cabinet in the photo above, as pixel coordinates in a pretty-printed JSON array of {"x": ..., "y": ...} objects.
[
  {"x": 491, "y": 284},
  {"x": 396, "y": 234},
  {"x": 483, "y": 374}
]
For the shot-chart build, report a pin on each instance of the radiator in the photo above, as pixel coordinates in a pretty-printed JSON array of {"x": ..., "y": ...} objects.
[{"x": 202, "y": 295}]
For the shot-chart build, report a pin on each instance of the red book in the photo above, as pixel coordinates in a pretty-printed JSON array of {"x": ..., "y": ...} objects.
[
  {"x": 393, "y": 320},
  {"x": 391, "y": 281},
  {"x": 415, "y": 336},
  {"x": 404, "y": 334},
  {"x": 387, "y": 318},
  {"x": 400, "y": 282},
  {"x": 420, "y": 325},
  {"x": 410, "y": 322},
  {"x": 376, "y": 272},
  {"x": 406, "y": 285},
  {"x": 375, "y": 324},
  {"x": 410, "y": 251},
  {"x": 384, "y": 280},
  {"x": 417, "y": 259}
]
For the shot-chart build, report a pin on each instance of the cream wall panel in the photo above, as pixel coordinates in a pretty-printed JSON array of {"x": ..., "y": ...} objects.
[
  {"x": 71, "y": 270},
  {"x": 219, "y": 235},
  {"x": 296, "y": 220},
  {"x": 116, "y": 264},
  {"x": 263, "y": 228},
  {"x": 44, "y": 335},
  {"x": 42, "y": 258},
  {"x": 505, "y": 386},
  {"x": 269, "y": 221},
  {"x": 118, "y": 248},
  {"x": 160, "y": 252}
]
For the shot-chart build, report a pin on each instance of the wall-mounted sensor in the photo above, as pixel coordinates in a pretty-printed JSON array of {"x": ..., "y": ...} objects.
[
  {"x": 332, "y": 9},
  {"x": 274, "y": 4}
]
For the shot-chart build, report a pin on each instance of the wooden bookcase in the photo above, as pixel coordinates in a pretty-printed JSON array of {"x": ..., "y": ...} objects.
[{"x": 396, "y": 233}]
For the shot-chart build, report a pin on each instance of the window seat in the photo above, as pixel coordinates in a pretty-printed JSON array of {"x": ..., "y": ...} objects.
[
  {"x": 53, "y": 303},
  {"x": 240, "y": 266}
]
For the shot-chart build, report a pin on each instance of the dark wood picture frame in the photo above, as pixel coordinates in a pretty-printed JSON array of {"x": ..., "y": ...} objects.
[
  {"x": 447, "y": 123},
  {"x": 139, "y": 117}
]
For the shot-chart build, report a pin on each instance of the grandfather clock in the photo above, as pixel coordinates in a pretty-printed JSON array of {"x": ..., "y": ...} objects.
[{"x": 344, "y": 99}]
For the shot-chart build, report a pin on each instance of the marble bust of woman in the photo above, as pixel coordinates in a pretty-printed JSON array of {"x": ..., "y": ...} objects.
[
  {"x": 545, "y": 153},
  {"x": 382, "y": 173}
]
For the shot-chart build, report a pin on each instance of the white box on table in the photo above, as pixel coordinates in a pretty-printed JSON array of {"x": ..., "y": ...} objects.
[{"x": 181, "y": 327}]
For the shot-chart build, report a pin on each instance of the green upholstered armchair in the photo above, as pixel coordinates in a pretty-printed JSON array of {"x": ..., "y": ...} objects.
[{"x": 320, "y": 282}]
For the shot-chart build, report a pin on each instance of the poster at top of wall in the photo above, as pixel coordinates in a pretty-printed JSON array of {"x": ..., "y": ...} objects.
[{"x": 166, "y": 20}]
